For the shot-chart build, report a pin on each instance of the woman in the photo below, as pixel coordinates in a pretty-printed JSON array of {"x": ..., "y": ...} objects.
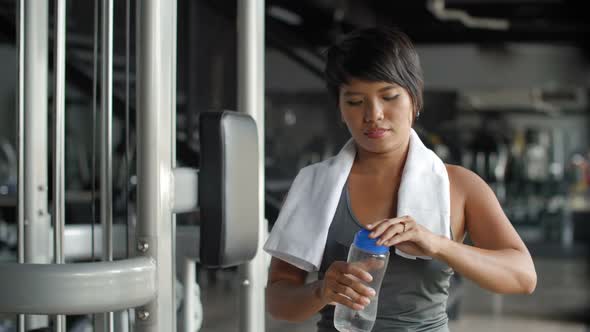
[{"x": 376, "y": 77}]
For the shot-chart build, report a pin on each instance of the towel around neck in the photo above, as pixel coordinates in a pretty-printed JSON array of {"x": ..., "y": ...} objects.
[{"x": 300, "y": 232}]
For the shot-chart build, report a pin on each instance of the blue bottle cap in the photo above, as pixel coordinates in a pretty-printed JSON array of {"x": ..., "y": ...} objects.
[{"x": 364, "y": 242}]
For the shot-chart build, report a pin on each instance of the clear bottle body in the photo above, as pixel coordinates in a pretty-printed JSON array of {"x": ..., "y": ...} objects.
[{"x": 349, "y": 320}]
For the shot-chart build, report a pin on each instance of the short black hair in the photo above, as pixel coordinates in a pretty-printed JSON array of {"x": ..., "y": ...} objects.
[{"x": 375, "y": 54}]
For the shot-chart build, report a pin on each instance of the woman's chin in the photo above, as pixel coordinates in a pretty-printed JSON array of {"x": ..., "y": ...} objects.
[{"x": 379, "y": 146}]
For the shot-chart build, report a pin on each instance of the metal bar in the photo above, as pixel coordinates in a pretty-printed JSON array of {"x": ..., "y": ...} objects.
[
  {"x": 128, "y": 216},
  {"x": 187, "y": 239},
  {"x": 186, "y": 190},
  {"x": 94, "y": 107},
  {"x": 94, "y": 139},
  {"x": 251, "y": 101},
  {"x": 59, "y": 140},
  {"x": 36, "y": 106},
  {"x": 122, "y": 323},
  {"x": 106, "y": 165},
  {"x": 38, "y": 224},
  {"x": 172, "y": 35},
  {"x": 77, "y": 289},
  {"x": 106, "y": 158},
  {"x": 58, "y": 131},
  {"x": 20, "y": 130},
  {"x": 20, "y": 141},
  {"x": 189, "y": 295},
  {"x": 156, "y": 20},
  {"x": 127, "y": 120},
  {"x": 77, "y": 238}
]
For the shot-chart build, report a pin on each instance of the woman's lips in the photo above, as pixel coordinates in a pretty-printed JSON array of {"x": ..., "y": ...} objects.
[{"x": 376, "y": 133}]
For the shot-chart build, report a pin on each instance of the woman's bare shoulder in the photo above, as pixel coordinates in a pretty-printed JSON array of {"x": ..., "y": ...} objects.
[
  {"x": 464, "y": 181},
  {"x": 462, "y": 176}
]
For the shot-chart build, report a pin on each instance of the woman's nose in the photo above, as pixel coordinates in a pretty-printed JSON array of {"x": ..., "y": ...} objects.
[{"x": 373, "y": 112}]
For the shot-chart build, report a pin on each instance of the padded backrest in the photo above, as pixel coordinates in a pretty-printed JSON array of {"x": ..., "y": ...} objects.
[{"x": 228, "y": 188}]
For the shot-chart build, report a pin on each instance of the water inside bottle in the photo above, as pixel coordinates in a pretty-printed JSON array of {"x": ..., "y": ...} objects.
[{"x": 348, "y": 320}]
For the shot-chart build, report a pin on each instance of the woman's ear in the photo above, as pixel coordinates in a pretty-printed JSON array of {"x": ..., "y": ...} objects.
[
  {"x": 342, "y": 123},
  {"x": 340, "y": 114}
]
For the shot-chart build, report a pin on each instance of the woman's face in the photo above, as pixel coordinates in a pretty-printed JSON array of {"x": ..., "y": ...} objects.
[{"x": 378, "y": 114}]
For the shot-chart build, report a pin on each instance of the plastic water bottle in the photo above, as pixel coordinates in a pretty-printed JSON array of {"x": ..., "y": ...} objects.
[{"x": 366, "y": 254}]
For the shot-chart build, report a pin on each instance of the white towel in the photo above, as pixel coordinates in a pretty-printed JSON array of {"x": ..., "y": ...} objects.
[{"x": 300, "y": 232}]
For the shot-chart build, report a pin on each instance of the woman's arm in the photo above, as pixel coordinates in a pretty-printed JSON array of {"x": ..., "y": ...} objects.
[
  {"x": 289, "y": 298},
  {"x": 287, "y": 295},
  {"x": 499, "y": 261}
]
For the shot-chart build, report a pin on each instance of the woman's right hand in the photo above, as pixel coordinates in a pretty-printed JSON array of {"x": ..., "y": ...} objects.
[{"x": 343, "y": 283}]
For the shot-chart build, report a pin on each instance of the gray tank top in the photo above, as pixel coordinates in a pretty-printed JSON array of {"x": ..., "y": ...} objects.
[{"x": 413, "y": 294}]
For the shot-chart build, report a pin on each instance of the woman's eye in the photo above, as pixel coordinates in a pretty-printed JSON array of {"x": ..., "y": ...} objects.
[
  {"x": 388, "y": 98},
  {"x": 354, "y": 102}
]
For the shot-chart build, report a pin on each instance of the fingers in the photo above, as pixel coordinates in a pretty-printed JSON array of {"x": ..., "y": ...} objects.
[
  {"x": 351, "y": 276},
  {"x": 403, "y": 237},
  {"x": 357, "y": 271},
  {"x": 338, "y": 298},
  {"x": 348, "y": 282},
  {"x": 353, "y": 295},
  {"x": 376, "y": 223},
  {"x": 343, "y": 284},
  {"x": 349, "y": 293},
  {"x": 385, "y": 230},
  {"x": 391, "y": 232}
]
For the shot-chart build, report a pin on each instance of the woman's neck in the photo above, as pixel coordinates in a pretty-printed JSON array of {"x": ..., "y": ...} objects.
[{"x": 385, "y": 164}]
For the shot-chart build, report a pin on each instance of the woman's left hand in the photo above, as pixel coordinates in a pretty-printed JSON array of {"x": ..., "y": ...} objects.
[{"x": 406, "y": 235}]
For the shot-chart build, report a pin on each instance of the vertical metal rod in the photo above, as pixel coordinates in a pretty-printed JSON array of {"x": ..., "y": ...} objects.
[
  {"x": 106, "y": 158},
  {"x": 172, "y": 25},
  {"x": 189, "y": 295},
  {"x": 21, "y": 131},
  {"x": 94, "y": 107},
  {"x": 127, "y": 132},
  {"x": 59, "y": 140},
  {"x": 21, "y": 140},
  {"x": 37, "y": 222},
  {"x": 106, "y": 167},
  {"x": 155, "y": 81},
  {"x": 251, "y": 101},
  {"x": 127, "y": 121},
  {"x": 94, "y": 133},
  {"x": 173, "y": 36}
]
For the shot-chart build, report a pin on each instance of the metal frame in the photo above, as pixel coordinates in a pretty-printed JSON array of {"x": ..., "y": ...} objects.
[
  {"x": 21, "y": 140},
  {"x": 106, "y": 147},
  {"x": 251, "y": 48},
  {"x": 186, "y": 193},
  {"x": 59, "y": 141},
  {"x": 106, "y": 155},
  {"x": 78, "y": 237},
  {"x": 75, "y": 289},
  {"x": 146, "y": 282},
  {"x": 34, "y": 184},
  {"x": 35, "y": 146},
  {"x": 156, "y": 23},
  {"x": 78, "y": 240},
  {"x": 32, "y": 205},
  {"x": 189, "y": 323}
]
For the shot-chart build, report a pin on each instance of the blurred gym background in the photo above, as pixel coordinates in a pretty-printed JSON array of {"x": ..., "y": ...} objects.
[{"x": 506, "y": 95}]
